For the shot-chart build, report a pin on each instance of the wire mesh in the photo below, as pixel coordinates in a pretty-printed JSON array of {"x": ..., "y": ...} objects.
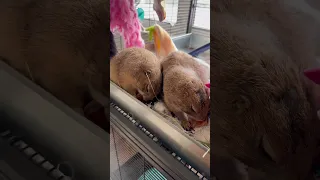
[
  {"x": 156, "y": 140},
  {"x": 127, "y": 163}
]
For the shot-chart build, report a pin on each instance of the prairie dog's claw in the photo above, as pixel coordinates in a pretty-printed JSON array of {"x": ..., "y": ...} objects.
[{"x": 187, "y": 125}]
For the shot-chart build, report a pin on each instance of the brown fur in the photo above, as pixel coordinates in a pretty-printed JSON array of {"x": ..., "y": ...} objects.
[
  {"x": 261, "y": 107},
  {"x": 128, "y": 70},
  {"x": 184, "y": 87},
  {"x": 59, "y": 44}
]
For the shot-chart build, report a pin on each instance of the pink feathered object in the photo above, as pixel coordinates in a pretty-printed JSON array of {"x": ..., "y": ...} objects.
[{"x": 124, "y": 18}]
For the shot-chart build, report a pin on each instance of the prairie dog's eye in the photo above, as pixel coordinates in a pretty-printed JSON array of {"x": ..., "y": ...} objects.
[{"x": 148, "y": 73}]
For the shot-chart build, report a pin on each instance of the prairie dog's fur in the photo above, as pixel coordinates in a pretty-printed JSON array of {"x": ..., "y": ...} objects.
[
  {"x": 59, "y": 44},
  {"x": 262, "y": 110},
  {"x": 130, "y": 69},
  {"x": 184, "y": 88},
  {"x": 179, "y": 58}
]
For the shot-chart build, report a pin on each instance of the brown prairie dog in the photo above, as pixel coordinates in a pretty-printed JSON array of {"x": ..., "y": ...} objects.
[
  {"x": 134, "y": 69},
  {"x": 59, "y": 44},
  {"x": 262, "y": 111},
  {"x": 184, "y": 88}
]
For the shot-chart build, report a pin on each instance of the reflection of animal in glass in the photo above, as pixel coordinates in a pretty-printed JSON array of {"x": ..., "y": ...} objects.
[{"x": 261, "y": 108}]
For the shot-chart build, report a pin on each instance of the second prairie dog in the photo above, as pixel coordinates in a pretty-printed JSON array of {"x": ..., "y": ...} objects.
[
  {"x": 184, "y": 88},
  {"x": 131, "y": 68},
  {"x": 263, "y": 115}
]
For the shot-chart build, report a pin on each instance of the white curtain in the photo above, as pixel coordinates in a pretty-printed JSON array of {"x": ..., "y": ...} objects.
[{"x": 202, "y": 14}]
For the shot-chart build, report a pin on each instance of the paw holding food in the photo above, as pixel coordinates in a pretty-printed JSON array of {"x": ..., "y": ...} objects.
[
  {"x": 197, "y": 124},
  {"x": 190, "y": 125},
  {"x": 187, "y": 125}
]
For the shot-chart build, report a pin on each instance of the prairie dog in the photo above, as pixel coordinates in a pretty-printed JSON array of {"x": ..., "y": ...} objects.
[
  {"x": 134, "y": 69},
  {"x": 184, "y": 88},
  {"x": 262, "y": 109},
  {"x": 61, "y": 45}
]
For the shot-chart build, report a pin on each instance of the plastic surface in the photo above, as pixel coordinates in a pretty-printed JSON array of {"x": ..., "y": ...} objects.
[
  {"x": 52, "y": 128},
  {"x": 15, "y": 166}
]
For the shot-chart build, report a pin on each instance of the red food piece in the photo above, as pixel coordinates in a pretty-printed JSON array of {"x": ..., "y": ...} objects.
[{"x": 197, "y": 124}]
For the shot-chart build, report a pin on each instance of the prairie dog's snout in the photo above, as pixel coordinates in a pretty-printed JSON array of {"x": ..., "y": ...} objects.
[
  {"x": 184, "y": 88},
  {"x": 137, "y": 71}
]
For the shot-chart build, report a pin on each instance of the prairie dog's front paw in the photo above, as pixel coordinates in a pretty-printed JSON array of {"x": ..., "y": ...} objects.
[
  {"x": 187, "y": 125},
  {"x": 139, "y": 96}
]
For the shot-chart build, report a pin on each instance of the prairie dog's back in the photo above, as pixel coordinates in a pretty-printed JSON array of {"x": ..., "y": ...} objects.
[
  {"x": 137, "y": 70},
  {"x": 39, "y": 25},
  {"x": 134, "y": 61},
  {"x": 179, "y": 58},
  {"x": 59, "y": 44}
]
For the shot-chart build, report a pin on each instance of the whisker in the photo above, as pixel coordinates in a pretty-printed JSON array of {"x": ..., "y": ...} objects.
[
  {"x": 152, "y": 87},
  {"x": 29, "y": 71},
  {"x": 206, "y": 153}
]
